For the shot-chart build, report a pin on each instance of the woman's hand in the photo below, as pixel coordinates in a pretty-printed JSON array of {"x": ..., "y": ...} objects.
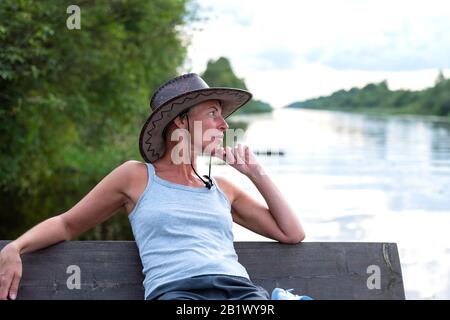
[
  {"x": 10, "y": 272},
  {"x": 241, "y": 158}
]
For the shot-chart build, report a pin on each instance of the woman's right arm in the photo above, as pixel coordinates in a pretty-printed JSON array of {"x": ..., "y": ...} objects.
[{"x": 102, "y": 202}]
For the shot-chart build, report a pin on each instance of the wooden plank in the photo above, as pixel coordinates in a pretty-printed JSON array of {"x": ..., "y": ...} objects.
[
  {"x": 112, "y": 269},
  {"x": 324, "y": 270},
  {"x": 109, "y": 270}
]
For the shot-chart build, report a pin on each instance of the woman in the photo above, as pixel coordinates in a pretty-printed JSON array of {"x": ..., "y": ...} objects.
[{"x": 181, "y": 222}]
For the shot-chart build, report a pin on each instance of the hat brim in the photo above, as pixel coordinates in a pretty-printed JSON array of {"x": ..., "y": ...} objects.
[{"x": 151, "y": 140}]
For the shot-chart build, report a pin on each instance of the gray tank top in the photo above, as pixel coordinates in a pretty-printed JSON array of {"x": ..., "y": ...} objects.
[{"x": 183, "y": 231}]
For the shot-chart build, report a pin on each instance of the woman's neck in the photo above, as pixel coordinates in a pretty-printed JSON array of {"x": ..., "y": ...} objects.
[{"x": 182, "y": 172}]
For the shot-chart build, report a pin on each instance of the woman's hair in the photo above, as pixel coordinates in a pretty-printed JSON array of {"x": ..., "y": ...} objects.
[{"x": 166, "y": 129}]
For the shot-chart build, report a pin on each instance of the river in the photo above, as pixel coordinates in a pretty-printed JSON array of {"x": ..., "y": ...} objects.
[{"x": 353, "y": 177}]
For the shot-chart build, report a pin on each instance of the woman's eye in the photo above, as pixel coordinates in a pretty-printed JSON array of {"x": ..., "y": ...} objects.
[{"x": 212, "y": 112}]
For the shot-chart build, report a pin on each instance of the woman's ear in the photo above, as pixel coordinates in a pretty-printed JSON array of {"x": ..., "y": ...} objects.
[{"x": 181, "y": 122}]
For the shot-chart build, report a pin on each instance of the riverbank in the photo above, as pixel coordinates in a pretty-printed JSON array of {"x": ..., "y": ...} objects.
[
  {"x": 386, "y": 112},
  {"x": 378, "y": 99}
]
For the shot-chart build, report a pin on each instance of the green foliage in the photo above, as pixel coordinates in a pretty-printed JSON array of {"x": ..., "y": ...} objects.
[
  {"x": 220, "y": 74},
  {"x": 378, "y": 98},
  {"x": 255, "y": 106},
  {"x": 72, "y": 102},
  {"x": 436, "y": 100}
]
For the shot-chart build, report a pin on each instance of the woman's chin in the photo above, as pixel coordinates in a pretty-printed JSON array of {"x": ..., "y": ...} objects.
[{"x": 212, "y": 146}]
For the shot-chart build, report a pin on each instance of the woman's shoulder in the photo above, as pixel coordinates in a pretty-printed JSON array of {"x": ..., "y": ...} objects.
[
  {"x": 134, "y": 163},
  {"x": 232, "y": 189},
  {"x": 136, "y": 173},
  {"x": 134, "y": 168},
  {"x": 227, "y": 187},
  {"x": 226, "y": 182}
]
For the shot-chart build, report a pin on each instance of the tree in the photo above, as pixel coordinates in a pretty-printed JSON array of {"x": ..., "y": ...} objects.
[
  {"x": 220, "y": 74},
  {"x": 431, "y": 101},
  {"x": 440, "y": 78},
  {"x": 72, "y": 101}
]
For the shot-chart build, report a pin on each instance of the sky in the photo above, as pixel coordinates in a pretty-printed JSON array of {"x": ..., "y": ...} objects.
[{"x": 292, "y": 50}]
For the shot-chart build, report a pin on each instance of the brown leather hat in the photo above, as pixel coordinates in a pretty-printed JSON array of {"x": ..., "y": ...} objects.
[{"x": 175, "y": 96}]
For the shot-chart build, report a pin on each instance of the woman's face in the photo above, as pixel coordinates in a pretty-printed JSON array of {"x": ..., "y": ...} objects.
[{"x": 207, "y": 125}]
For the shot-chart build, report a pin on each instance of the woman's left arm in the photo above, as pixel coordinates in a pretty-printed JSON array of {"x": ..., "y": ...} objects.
[
  {"x": 279, "y": 208},
  {"x": 278, "y": 221}
]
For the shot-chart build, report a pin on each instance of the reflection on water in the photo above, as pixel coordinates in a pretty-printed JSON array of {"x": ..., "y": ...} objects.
[{"x": 354, "y": 177}]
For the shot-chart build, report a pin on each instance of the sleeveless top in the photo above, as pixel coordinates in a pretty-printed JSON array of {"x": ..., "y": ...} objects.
[{"x": 183, "y": 231}]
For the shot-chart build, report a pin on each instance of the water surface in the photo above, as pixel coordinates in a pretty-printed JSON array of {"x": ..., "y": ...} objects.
[{"x": 352, "y": 177}]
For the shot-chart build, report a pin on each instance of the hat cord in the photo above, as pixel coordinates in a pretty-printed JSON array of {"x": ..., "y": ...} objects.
[{"x": 209, "y": 183}]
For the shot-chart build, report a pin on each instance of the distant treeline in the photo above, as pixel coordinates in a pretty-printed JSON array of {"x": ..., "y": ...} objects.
[
  {"x": 220, "y": 74},
  {"x": 378, "y": 98}
]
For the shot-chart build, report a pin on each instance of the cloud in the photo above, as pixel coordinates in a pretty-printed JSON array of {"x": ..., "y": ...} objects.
[
  {"x": 293, "y": 50},
  {"x": 402, "y": 46},
  {"x": 273, "y": 58}
]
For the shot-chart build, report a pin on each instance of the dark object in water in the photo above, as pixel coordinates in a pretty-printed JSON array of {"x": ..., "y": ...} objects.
[{"x": 269, "y": 153}]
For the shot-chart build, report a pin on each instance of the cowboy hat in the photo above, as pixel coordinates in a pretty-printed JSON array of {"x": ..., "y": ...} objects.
[{"x": 176, "y": 96}]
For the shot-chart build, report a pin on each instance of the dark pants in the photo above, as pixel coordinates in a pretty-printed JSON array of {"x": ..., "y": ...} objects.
[{"x": 210, "y": 287}]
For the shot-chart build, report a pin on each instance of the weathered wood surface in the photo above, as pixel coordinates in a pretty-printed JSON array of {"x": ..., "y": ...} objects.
[{"x": 112, "y": 269}]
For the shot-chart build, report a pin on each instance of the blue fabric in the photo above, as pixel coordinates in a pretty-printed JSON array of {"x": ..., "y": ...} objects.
[
  {"x": 210, "y": 287},
  {"x": 182, "y": 232},
  {"x": 282, "y": 294}
]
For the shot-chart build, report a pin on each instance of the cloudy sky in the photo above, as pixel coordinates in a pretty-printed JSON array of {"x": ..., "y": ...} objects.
[{"x": 291, "y": 50}]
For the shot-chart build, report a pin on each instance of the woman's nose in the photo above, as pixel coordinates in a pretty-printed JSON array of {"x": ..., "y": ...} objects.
[{"x": 223, "y": 124}]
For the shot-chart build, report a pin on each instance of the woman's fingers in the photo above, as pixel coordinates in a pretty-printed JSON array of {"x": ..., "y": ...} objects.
[
  {"x": 14, "y": 286},
  {"x": 10, "y": 272},
  {"x": 4, "y": 285},
  {"x": 6, "y": 280},
  {"x": 239, "y": 154},
  {"x": 229, "y": 156},
  {"x": 247, "y": 155}
]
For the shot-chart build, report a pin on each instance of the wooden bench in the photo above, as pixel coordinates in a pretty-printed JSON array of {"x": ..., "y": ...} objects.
[{"x": 323, "y": 270}]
